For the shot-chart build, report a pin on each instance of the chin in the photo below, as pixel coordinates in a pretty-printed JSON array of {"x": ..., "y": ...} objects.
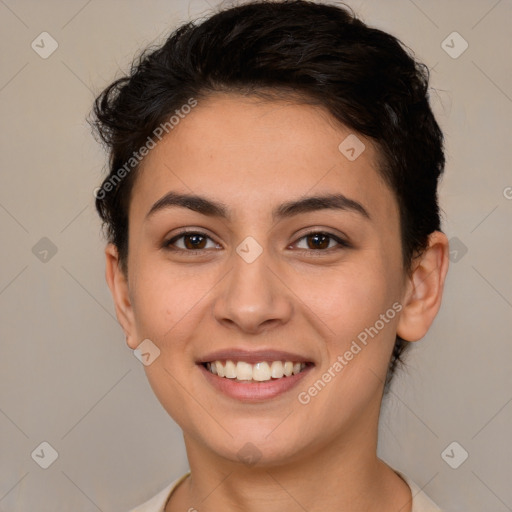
[{"x": 255, "y": 447}]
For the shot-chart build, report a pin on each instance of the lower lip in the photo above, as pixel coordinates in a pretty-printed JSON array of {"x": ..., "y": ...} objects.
[{"x": 254, "y": 391}]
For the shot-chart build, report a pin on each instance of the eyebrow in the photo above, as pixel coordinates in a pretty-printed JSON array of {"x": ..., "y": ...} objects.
[{"x": 213, "y": 208}]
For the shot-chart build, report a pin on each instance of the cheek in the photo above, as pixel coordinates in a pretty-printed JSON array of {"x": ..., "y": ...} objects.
[
  {"x": 348, "y": 299},
  {"x": 356, "y": 308},
  {"x": 167, "y": 298}
]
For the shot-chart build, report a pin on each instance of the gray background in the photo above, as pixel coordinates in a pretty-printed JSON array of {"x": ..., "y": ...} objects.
[{"x": 67, "y": 376}]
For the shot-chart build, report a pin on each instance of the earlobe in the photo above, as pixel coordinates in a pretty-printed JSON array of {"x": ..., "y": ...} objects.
[
  {"x": 425, "y": 289},
  {"x": 118, "y": 283}
]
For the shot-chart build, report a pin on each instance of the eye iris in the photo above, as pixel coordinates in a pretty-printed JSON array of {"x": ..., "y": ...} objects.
[
  {"x": 318, "y": 237},
  {"x": 194, "y": 241}
]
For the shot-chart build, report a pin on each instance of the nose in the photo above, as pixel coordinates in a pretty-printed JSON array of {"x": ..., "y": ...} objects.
[{"x": 253, "y": 298}]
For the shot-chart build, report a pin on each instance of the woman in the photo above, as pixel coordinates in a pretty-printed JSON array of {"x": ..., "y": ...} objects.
[{"x": 274, "y": 245}]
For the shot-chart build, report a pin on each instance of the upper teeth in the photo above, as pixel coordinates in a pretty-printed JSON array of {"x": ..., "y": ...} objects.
[{"x": 259, "y": 371}]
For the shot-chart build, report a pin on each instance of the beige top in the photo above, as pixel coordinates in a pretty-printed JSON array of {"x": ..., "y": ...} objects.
[{"x": 420, "y": 501}]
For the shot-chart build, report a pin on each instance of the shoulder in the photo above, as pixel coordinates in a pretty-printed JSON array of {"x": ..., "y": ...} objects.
[
  {"x": 157, "y": 503},
  {"x": 420, "y": 501}
]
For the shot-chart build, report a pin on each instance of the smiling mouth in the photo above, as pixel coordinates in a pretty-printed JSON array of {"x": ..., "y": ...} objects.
[{"x": 263, "y": 371}]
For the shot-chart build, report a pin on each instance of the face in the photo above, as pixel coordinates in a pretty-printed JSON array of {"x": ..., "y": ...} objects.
[{"x": 264, "y": 274}]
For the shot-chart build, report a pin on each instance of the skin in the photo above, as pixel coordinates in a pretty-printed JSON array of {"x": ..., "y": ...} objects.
[{"x": 252, "y": 156}]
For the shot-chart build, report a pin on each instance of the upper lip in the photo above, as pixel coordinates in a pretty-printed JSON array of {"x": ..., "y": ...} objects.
[{"x": 252, "y": 356}]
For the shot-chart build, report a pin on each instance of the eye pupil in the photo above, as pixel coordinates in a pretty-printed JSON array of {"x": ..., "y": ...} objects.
[
  {"x": 194, "y": 241},
  {"x": 321, "y": 241}
]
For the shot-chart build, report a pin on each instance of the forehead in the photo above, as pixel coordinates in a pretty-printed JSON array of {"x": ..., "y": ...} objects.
[{"x": 250, "y": 152}]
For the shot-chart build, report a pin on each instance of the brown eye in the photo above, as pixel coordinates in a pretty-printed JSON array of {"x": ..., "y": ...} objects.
[
  {"x": 195, "y": 241},
  {"x": 321, "y": 242},
  {"x": 190, "y": 241},
  {"x": 318, "y": 241}
]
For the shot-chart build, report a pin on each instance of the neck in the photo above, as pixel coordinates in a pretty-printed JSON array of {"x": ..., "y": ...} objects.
[{"x": 343, "y": 474}]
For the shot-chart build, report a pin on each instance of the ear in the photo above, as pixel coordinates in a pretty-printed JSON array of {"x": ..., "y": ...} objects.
[
  {"x": 424, "y": 289},
  {"x": 117, "y": 281}
]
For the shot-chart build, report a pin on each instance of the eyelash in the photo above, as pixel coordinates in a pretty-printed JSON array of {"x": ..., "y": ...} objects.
[{"x": 342, "y": 244}]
